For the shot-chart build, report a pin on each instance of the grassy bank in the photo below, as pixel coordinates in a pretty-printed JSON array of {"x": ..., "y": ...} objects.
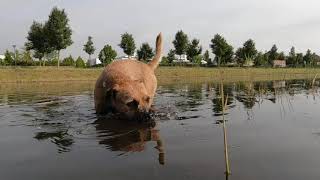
[{"x": 166, "y": 75}]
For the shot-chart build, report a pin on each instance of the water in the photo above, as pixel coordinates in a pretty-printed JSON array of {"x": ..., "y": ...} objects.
[{"x": 51, "y": 131}]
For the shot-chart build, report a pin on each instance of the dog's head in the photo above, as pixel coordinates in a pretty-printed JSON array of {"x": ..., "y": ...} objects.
[{"x": 131, "y": 100}]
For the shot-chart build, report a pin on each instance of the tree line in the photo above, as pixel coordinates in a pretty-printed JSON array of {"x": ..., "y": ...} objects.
[
  {"x": 224, "y": 54},
  {"x": 46, "y": 40}
]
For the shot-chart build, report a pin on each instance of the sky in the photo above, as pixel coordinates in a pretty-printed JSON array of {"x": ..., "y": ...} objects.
[{"x": 285, "y": 23}]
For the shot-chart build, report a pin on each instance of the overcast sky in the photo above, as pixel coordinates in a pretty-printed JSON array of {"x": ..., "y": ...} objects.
[{"x": 285, "y": 23}]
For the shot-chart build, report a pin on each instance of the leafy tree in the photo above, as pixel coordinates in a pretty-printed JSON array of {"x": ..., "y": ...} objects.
[
  {"x": 68, "y": 61},
  {"x": 282, "y": 56},
  {"x": 307, "y": 58},
  {"x": 315, "y": 59},
  {"x": 206, "y": 57},
  {"x": 247, "y": 52},
  {"x": 193, "y": 49},
  {"x": 53, "y": 62},
  {"x": 164, "y": 61},
  {"x": 261, "y": 59},
  {"x": 39, "y": 56},
  {"x": 180, "y": 43},
  {"x": 171, "y": 56},
  {"x": 292, "y": 59},
  {"x": 59, "y": 31},
  {"x": 38, "y": 41},
  {"x": 300, "y": 59},
  {"x": 107, "y": 54},
  {"x": 221, "y": 49},
  {"x": 25, "y": 58},
  {"x": 239, "y": 56},
  {"x": 197, "y": 59},
  {"x": 127, "y": 44},
  {"x": 88, "y": 47},
  {"x": 145, "y": 52},
  {"x": 8, "y": 58},
  {"x": 273, "y": 54},
  {"x": 249, "y": 48},
  {"x": 80, "y": 63}
]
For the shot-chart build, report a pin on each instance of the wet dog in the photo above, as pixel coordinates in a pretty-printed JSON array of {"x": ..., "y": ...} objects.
[{"x": 127, "y": 87}]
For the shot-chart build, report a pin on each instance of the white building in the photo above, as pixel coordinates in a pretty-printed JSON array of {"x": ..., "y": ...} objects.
[
  {"x": 203, "y": 62},
  {"x": 181, "y": 59},
  {"x": 125, "y": 57},
  {"x": 94, "y": 61}
]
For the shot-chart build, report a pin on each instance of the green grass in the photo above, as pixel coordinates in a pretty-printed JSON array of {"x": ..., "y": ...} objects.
[
  {"x": 165, "y": 75},
  {"x": 47, "y": 74},
  {"x": 199, "y": 74}
]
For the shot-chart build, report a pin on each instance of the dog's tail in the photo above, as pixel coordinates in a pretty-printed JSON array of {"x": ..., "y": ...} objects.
[{"x": 156, "y": 59}]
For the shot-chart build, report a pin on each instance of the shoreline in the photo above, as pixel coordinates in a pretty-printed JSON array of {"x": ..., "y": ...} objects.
[{"x": 165, "y": 75}]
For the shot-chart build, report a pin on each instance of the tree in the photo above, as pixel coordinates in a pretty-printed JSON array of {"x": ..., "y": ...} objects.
[
  {"x": 180, "y": 43},
  {"x": 261, "y": 59},
  {"x": 240, "y": 56},
  {"x": 127, "y": 44},
  {"x": 145, "y": 52},
  {"x": 59, "y": 31},
  {"x": 25, "y": 59},
  {"x": 292, "y": 59},
  {"x": 171, "y": 55},
  {"x": 221, "y": 49},
  {"x": 273, "y": 54},
  {"x": 247, "y": 52},
  {"x": 80, "y": 63},
  {"x": 206, "y": 57},
  {"x": 299, "y": 59},
  {"x": 164, "y": 61},
  {"x": 197, "y": 59},
  {"x": 8, "y": 58},
  {"x": 193, "y": 49},
  {"x": 249, "y": 49},
  {"x": 68, "y": 61},
  {"x": 38, "y": 41},
  {"x": 315, "y": 59},
  {"x": 107, "y": 54},
  {"x": 307, "y": 58},
  {"x": 282, "y": 56},
  {"x": 88, "y": 47}
]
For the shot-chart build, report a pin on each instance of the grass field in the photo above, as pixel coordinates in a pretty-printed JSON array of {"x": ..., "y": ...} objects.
[{"x": 165, "y": 75}]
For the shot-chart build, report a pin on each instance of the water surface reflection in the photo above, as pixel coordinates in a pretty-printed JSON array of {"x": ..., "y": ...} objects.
[{"x": 273, "y": 126}]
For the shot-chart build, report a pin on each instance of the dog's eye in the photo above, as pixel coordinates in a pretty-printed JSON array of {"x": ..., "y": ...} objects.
[
  {"x": 114, "y": 93},
  {"x": 133, "y": 104},
  {"x": 147, "y": 98}
]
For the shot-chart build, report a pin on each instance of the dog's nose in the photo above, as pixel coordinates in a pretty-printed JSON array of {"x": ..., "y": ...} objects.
[{"x": 144, "y": 115}]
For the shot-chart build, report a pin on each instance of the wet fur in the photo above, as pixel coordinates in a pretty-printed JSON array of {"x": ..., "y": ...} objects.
[{"x": 128, "y": 87}]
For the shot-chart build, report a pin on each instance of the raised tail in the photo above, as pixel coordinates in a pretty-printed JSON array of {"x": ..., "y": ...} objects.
[{"x": 157, "y": 57}]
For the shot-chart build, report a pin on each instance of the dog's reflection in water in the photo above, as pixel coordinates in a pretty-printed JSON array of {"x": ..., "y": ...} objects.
[{"x": 128, "y": 136}]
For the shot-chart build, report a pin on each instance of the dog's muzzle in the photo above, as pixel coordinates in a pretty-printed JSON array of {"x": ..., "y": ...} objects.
[{"x": 143, "y": 115}]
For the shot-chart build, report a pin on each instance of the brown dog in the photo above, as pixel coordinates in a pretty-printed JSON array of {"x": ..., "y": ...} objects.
[{"x": 128, "y": 87}]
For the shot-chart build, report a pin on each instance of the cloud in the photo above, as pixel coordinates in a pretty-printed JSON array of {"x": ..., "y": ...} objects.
[{"x": 281, "y": 22}]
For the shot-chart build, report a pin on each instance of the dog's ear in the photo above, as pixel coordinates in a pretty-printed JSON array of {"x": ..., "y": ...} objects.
[
  {"x": 112, "y": 91},
  {"x": 115, "y": 90}
]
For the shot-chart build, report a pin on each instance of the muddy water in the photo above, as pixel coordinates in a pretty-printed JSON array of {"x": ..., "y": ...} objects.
[{"x": 50, "y": 131}]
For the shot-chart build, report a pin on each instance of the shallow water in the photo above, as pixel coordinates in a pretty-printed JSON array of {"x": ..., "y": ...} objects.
[{"x": 50, "y": 131}]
